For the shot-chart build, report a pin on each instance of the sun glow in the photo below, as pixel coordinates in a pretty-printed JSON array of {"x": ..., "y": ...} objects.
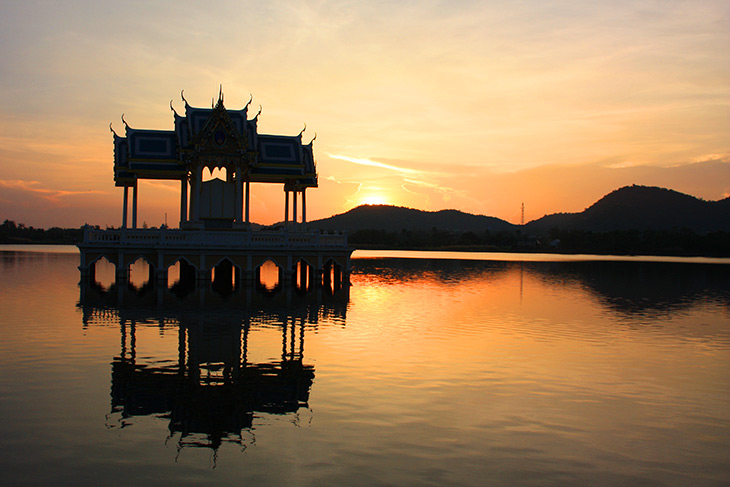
[{"x": 374, "y": 199}]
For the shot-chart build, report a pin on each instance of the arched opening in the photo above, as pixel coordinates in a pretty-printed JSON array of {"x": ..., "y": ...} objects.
[
  {"x": 173, "y": 274},
  {"x": 103, "y": 273},
  {"x": 181, "y": 278},
  {"x": 213, "y": 173},
  {"x": 225, "y": 277},
  {"x": 331, "y": 276},
  {"x": 268, "y": 276},
  {"x": 303, "y": 275},
  {"x": 141, "y": 274}
]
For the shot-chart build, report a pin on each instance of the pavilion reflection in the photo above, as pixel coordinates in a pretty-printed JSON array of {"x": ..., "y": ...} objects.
[{"x": 211, "y": 392}]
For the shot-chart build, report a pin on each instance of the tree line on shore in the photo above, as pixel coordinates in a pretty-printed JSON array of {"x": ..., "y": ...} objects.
[
  {"x": 647, "y": 242},
  {"x": 623, "y": 242},
  {"x": 18, "y": 233}
]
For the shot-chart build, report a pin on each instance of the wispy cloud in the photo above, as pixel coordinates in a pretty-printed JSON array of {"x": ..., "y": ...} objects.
[
  {"x": 712, "y": 157},
  {"x": 171, "y": 186},
  {"x": 36, "y": 188},
  {"x": 368, "y": 162}
]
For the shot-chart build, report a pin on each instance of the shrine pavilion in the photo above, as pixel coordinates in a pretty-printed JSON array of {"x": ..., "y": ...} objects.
[{"x": 215, "y": 238}]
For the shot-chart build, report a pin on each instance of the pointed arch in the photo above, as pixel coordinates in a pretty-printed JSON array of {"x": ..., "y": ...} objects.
[
  {"x": 181, "y": 275},
  {"x": 269, "y": 275}
]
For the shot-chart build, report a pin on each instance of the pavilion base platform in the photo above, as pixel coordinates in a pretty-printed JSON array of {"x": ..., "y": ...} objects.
[{"x": 221, "y": 260}]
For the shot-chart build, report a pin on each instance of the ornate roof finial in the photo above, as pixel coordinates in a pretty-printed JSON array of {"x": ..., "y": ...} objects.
[
  {"x": 183, "y": 98},
  {"x": 305, "y": 128},
  {"x": 257, "y": 115},
  {"x": 173, "y": 109},
  {"x": 220, "y": 94},
  {"x": 249, "y": 101},
  {"x": 126, "y": 125},
  {"x": 110, "y": 128},
  {"x": 315, "y": 136}
]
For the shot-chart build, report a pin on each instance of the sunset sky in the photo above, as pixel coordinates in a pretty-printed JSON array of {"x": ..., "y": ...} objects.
[{"x": 473, "y": 105}]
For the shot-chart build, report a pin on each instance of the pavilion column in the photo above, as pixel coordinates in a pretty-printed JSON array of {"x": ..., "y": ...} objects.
[
  {"x": 239, "y": 196},
  {"x": 124, "y": 207},
  {"x": 183, "y": 200},
  {"x": 198, "y": 178},
  {"x": 286, "y": 208},
  {"x": 304, "y": 210},
  {"x": 134, "y": 205},
  {"x": 248, "y": 200},
  {"x": 193, "y": 196},
  {"x": 294, "y": 209}
]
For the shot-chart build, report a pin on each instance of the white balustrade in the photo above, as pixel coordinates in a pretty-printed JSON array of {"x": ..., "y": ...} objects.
[{"x": 165, "y": 237}]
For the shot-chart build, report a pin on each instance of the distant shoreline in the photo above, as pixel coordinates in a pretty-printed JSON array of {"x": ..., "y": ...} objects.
[
  {"x": 444, "y": 249},
  {"x": 471, "y": 249}
]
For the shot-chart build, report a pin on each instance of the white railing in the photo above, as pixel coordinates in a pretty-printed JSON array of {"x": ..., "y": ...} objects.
[{"x": 165, "y": 237}]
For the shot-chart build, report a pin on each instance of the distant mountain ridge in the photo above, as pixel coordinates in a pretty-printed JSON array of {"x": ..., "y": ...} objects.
[
  {"x": 397, "y": 218},
  {"x": 642, "y": 208},
  {"x": 627, "y": 208}
]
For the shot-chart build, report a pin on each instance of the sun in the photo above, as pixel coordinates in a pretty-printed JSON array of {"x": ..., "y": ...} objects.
[{"x": 373, "y": 199}]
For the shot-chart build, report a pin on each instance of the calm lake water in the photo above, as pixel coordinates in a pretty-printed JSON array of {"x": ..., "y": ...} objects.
[{"x": 448, "y": 371}]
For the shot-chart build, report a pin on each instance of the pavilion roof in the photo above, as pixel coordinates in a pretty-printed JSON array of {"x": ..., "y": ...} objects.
[{"x": 166, "y": 154}]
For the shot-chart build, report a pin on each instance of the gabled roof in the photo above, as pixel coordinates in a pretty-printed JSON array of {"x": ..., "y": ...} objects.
[
  {"x": 196, "y": 120},
  {"x": 212, "y": 132}
]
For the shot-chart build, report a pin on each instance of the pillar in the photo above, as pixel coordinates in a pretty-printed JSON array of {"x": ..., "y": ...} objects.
[
  {"x": 337, "y": 277},
  {"x": 294, "y": 209},
  {"x": 304, "y": 210},
  {"x": 134, "y": 205},
  {"x": 312, "y": 277},
  {"x": 183, "y": 200},
  {"x": 286, "y": 208},
  {"x": 193, "y": 193},
  {"x": 203, "y": 273},
  {"x": 239, "y": 196},
  {"x": 196, "y": 187},
  {"x": 124, "y": 207},
  {"x": 122, "y": 269},
  {"x": 319, "y": 272},
  {"x": 90, "y": 272},
  {"x": 161, "y": 271},
  {"x": 327, "y": 274},
  {"x": 248, "y": 200}
]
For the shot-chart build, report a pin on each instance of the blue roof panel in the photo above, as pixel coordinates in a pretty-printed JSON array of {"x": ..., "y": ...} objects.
[{"x": 152, "y": 144}]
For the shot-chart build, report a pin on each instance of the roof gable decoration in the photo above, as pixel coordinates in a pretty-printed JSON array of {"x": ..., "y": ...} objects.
[
  {"x": 219, "y": 134},
  {"x": 197, "y": 117}
]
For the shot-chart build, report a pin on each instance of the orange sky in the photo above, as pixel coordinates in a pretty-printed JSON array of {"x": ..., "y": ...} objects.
[{"x": 477, "y": 106}]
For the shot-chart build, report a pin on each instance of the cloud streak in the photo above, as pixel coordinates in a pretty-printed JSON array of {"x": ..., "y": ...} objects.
[
  {"x": 49, "y": 194},
  {"x": 368, "y": 162}
]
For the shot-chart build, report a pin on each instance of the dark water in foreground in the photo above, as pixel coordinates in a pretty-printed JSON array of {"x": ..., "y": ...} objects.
[{"x": 424, "y": 372}]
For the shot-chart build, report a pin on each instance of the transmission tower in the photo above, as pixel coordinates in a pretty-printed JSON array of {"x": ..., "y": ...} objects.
[{"x": 522, "y": 220}]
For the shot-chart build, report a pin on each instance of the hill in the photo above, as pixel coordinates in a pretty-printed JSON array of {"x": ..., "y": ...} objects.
[
  {"x": 642, "y": 208},
  {"x": 397, "y": 218}
]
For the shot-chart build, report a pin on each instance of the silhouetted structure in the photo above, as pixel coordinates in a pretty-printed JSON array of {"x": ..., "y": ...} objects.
[
  {"x": 215, "y": 239},
  {"x": 211, "y": 393}
]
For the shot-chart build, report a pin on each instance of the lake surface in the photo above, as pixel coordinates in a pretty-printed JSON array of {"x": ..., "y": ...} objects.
[{"x": 444, "y": 369}]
